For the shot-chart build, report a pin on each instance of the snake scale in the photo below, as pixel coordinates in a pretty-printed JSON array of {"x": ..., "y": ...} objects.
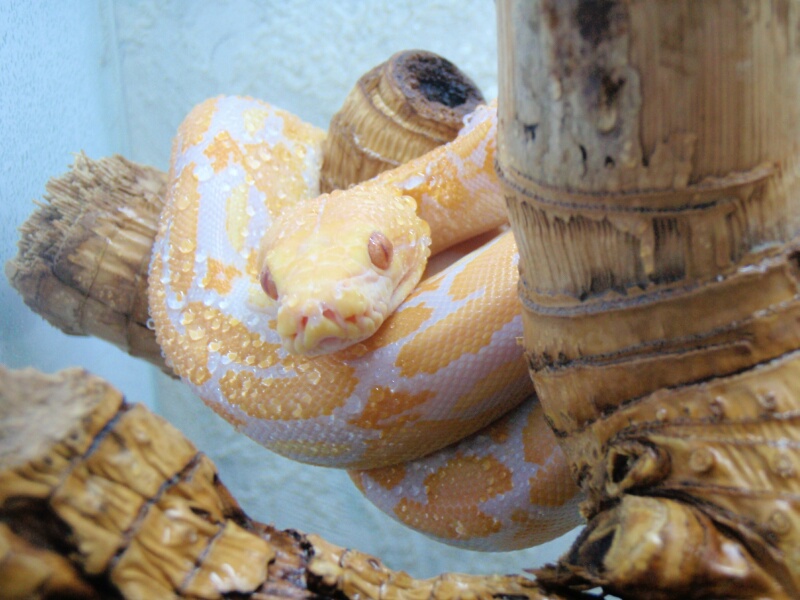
[{"x": 252, "y": 267}]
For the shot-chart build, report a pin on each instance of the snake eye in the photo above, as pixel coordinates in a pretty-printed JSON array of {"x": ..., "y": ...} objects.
[
  {"x": 268, "y": 284},
  {"x": 380, "y": 250}
]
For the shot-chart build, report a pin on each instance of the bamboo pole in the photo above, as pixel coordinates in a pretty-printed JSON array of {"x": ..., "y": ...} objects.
[{"x": 649, "y": 154}]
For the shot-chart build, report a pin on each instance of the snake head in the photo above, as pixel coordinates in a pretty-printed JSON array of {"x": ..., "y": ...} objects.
[{"x": 336, "y": 266}]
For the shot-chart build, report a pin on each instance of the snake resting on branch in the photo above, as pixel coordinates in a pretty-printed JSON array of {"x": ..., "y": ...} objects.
[{"x": 301, "y": 319}]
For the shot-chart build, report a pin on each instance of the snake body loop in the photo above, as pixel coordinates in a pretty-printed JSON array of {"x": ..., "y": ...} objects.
[{"x": 442, "y": 366}]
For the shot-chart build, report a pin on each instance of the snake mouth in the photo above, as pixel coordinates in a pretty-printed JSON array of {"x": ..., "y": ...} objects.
[{"x": 325, "y": 330}]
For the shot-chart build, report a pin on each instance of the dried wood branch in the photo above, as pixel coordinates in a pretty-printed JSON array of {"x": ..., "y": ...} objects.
[
  {"x": 84, "y": 252},
  {"x": 100, "y": 498}
]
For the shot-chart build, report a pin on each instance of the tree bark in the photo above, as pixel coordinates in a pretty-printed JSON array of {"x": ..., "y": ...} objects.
[{"x": 649, "y": 154}]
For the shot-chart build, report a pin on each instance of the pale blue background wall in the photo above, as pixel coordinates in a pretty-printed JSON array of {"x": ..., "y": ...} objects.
[
  {"x": 118, "y": 76},
  {"x": 59, "y": 92}
]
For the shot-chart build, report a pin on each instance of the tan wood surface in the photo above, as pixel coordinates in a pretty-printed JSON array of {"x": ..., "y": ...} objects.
[{"x": 649, "y": 154}]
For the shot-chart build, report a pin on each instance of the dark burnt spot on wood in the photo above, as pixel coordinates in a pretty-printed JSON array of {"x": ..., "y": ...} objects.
[
  {"x": 437, "y": 79},
  {"x": 594, "y": 19},
  {"x": 610, "y": 86},
  {"x": 603, "y": 88}
]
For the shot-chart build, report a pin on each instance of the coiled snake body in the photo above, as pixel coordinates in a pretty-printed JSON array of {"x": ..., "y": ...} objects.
[{"x": 243, "y": 217}]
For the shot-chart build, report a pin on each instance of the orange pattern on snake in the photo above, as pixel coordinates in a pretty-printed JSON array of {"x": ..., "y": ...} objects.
[{"x": 244, "y": 216}]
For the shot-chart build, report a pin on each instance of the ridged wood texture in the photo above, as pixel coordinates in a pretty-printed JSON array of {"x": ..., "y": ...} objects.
[
  {"x": 649, "y": 153},
  {"x": 103, "y": 499},
  {"x": 399, "y": 110},
  {"x": 85, "y": 251}
]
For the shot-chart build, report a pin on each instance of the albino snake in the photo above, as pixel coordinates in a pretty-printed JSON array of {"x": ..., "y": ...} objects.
[{"x": 444, "y": 365}]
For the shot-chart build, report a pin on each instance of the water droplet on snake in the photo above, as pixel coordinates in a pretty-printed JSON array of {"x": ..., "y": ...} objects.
[
  {"x": 186, "y": 245},
  {"x": 204, "y": 173},
  {"x": 182, "y": 202},
  {"x": 175, "y": 303}
]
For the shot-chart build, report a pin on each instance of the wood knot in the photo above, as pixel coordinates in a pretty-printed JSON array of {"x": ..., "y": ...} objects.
[
  {"x": 716, "y": 406},
  {"x": 782, "y": 465},
  {"x": 768, "y": 401},
  {"x": 779, "y": 523},
  {"x": 702, "y": 460},
  {"x": 634, "y": 464}
]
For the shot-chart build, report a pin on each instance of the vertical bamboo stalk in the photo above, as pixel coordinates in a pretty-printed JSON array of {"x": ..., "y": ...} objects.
[{"x": 649, "y": 153}]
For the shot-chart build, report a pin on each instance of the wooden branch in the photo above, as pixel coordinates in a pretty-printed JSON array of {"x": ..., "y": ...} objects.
[
  {"x": 100, "y": 498},
  {"x": 84, "y": 253},
  {"x": 648, "y": 151},
  {"x": 401, "y": 109}
]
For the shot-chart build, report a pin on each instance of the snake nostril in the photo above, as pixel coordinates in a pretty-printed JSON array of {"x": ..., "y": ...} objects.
[
  {"x": 329, "y": 314},
  {"x": 268, "y": 284}
]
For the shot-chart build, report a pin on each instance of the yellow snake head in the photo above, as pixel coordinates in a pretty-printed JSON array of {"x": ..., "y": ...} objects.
[{"x": 339, "y": 264}]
